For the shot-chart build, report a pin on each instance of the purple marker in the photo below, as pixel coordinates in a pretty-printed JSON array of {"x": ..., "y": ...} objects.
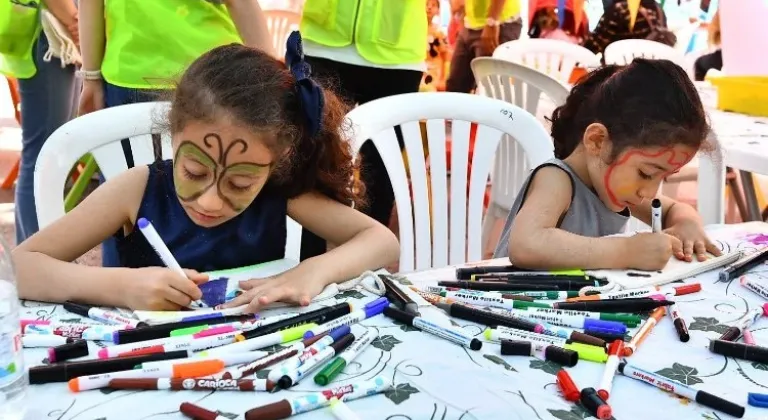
[{"x": 349, "y": 319}]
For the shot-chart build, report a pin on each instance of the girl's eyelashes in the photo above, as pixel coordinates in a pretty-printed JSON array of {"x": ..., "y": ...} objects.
[
  {"x": 239, "y": 187},
  {"x": 193, "y": 176},
  {"x": 644, "y": 175}
]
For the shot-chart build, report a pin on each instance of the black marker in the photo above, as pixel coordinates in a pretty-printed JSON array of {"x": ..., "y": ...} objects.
[
  {"x": 504, "y": 286},
  {"x": 450, "y": 333},
  {"x": 63, "y": 372},
  {"x": 631, "y": 305},
  {"x": 741, "y": 266},
  {"x": 396, "y": 295},
  {"x": 679, "y": 322},
  {"x": 742, "y": 351},
  {"x": 490, "y": 319},
  {"x": 466, "y": 273}
]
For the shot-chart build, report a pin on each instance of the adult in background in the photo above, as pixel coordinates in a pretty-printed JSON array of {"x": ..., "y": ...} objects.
[
  {"x": 713, "y": 60},
  {"x": 47, "y": 88},
  {"x": 133, "y": 50},
  {"x": 369, "y": 49},
  {"x": 614, "y": 25},
  {"x": 487, "y": 24}
]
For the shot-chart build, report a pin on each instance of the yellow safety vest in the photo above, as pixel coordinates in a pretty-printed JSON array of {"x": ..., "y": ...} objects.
[
  {"x": 19, "y": 29},
  {"x": 386, "y": 32},
  {"x": 477, "y": 11},
  {"x": 151, "y": 42}
]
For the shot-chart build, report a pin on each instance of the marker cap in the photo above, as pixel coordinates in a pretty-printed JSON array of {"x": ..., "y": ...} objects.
[
  {"x": 399, "y": 315},
  {"x": 765, "y": 309},
  {"x": 325, "y": 376},
  {"x": 375, "y": 310},
  {"x": 606, "y": 336},
  {"x": 606, "y": 326},
  {"x": 580, "y": 337},
  {"x": 587, "y": 352},
  {"x": 687, "y": 289},
  {"x": 188, "y": 331},
  {"x": 757, "y": 400},
  {"x": 567, "y": 386},
  {"x": 380, "y": 301},
  {"x": 77, "y": 308},
  {"x": 592, "y": 401},
  {"x": 68, "y": 351},
  {"x": 515, "y": 348},
  {"x": 561, "y": 356},
  {"x": 339, "y": 332},
  {"x": 630, "y": 320},
  {"x": 296, "y": 333}
]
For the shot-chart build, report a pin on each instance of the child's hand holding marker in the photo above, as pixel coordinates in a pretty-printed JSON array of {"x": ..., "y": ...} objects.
[
  {"x": 162, "y": 289},
  {"x": 651, "y": 251}
]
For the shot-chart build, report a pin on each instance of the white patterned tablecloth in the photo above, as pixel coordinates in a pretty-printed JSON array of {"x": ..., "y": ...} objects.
[{"x": 437, "y": 380}]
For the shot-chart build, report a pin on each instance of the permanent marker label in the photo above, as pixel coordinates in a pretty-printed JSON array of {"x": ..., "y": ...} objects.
[
  {"x": 444, "y": 332},
  {"x": 563, "y": 312}
]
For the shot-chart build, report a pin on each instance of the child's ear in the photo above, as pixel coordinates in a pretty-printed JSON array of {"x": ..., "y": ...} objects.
[{"x": 595, "y": 139}]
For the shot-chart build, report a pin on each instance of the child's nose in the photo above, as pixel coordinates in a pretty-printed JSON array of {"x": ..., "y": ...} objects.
[
  {"x": 649, "y": 190},
  {"x": 210, "y": 201}
]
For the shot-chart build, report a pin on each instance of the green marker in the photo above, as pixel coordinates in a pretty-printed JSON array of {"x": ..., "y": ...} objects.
[
  {"x": 189, "y": 330},
  {"x": 337, "y": 365},
  {"x": 587, "y": 352},
  {"x": 522, "y": 304},
  {"x": 630, "y": 320}
]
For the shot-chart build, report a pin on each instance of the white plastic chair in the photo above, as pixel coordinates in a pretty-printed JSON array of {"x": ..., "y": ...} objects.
[
  {"x": 280, "y": 24},
  {"x": 100, "y": 133},
  {"x": 624, "y": 51},
  {"x": 522, "y": 86},
  {"x": 553, "y": 57},
  {"x": 424, "y": 239}
]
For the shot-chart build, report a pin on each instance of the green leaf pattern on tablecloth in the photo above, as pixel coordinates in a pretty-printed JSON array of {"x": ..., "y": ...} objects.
[
  {"x": 499, "y": 361},
  {"x": 354, "y": 294},
  {"x": 400, "y": 393},
  {"x": 405, "y": 327},
  {"x": 578, "y": 412},
  {"x": 707, "y": 324},
  {"x": 759, "y": 366},
  {"x": 385, "y": 342},
  {"x": 227, "y": 415},
  {"x": 547, "y": 366},
  {"x": 681, "y": 373}
]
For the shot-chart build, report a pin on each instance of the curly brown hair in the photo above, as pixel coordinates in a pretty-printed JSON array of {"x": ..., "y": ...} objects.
[{"x": 256, "y": 90}]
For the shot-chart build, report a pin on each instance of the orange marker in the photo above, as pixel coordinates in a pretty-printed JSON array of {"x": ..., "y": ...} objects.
[
  {"x": 645, "y": 329},
  {"x": 179, "y": 370},
  {"x": 433, "y": 298}
]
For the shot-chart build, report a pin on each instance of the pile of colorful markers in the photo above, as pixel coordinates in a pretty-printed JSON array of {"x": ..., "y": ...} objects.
[{"x": 542, "y": 315}]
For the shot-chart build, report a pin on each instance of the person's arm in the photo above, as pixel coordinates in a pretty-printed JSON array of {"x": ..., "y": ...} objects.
[
  {"x": 44, "y": 266},
  {"x": 251, "y": 24},
  {"x": 66, "y": 13},
  {"x": 536, "y": 242},
  {"x": 363, "y": 243},
  {"x": 92, "y": 33}
]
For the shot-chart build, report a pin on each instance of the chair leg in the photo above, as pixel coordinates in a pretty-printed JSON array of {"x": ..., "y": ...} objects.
[
  {"x": 78, "y": 188},
  {"x": 10, "y": 179},
  {"x": 733, "y": 184}
]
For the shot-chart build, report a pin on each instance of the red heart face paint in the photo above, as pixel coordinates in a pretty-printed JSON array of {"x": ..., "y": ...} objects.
[{"x": 637, "y": 173}]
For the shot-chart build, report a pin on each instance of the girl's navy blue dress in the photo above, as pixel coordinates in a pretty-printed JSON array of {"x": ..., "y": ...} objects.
[{"x": 256, "y": 235}]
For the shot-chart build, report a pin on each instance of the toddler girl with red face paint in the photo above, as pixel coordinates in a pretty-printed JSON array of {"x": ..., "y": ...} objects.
[{"x": 621, "y": 131}]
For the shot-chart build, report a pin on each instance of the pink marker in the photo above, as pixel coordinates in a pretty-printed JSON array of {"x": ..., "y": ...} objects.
[
  {"x": 765, "y": 309},
  {"x": 215, "y": 331},
  {"x": 747, "y": 336}
]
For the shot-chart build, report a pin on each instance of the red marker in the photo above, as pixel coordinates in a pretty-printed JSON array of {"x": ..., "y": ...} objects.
[
  {"x": 199, "y": 413},
  {"x": 615, "y": 350},
  {"x": 567, "y": 386}
]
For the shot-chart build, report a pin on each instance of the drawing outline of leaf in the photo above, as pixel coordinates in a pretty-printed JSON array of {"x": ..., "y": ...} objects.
[
  {"x": 547, "y": 366},
  {"x": 759, "y": 366},
  {"x": 262, "y": 374},
  {"x": 406, "y": 327},
  {"x": 400, "y": 393},
  {"x": 681, "y": 373},
  {"x": 576, "y": 413},
  {"x": 499, "y": 361},
  {"x": 707, "y": 324},
  {"x": 354, "y": 294},
  {"x": 227, "y": 415},
  {"x": 385, "y": 342},
  {"x": 581, "y": 411}
]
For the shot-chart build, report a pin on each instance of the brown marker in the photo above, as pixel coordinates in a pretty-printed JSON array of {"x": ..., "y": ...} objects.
[{"x": 193, "y": 384}]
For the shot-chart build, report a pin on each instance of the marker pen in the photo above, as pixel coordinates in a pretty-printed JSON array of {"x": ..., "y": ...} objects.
[
  {"x": 154, "y": 239},
  {"x": 630, "y": 320},
  {"x": 748, "y": 337},
  {"x": 644, "y": 331},
  {"x": 702, "y": 397},
  {"x": 755, "y": 286},
  {"x": 242, "y": 343},
  {"x": 550, "y": 353},
  {"x": 615, "y": 351},
  {"x": 656, "y": 215},
  {"x": 585, "y": 351},
  {"x": 595, "y": 404},
  {"x": 396, "y": 295},
  {"x": 337, "y": 365},
  {"x": 739, "y": 351},
  {"x": 73, "y": 350},
  {"x": 153, "y": 332},
  {"x": 494, "y": 286},
  {"x": 230, "y": 359},
  {"x": 189, "y": 343},
  {"x": 308, "y": 402},
  {"x": 566, "y": 333},
  {"x": 192, "y": 384},
  {"x": 186, "y": 370},
  {"x": 489, "y": 318},
  {"x": 119, "y": 350},
  {"x": 734, "y": 332},
  {"x": 466, "y": 273},
  {"x": 545, "y": 294},
  {"x": 293, "y": 350},
  {"x": 64, "y": 371},
  {"x": 195, "y": 412},
  {"x": 316, "y": 317},
  {"x": 679, "y": 322},
  {"x": 292, "y": 378},
  {"x": 102, "y": 315},
  {"x": 32, "y": 341},
  {"x": 246, "y": 325},
  {"x": 632, "y": 305},
  {"x": 452, "y": 334},
  {"x": 341, "y": 411},
  {"x": 571, "y": 321},
  {"x": 80, "y": 331},
  {"x": 743, "y": 265},
  {"x": 353, "y": 317},
  {"x": 642, "y": 292},
  {"x": 295, "y": 362}
]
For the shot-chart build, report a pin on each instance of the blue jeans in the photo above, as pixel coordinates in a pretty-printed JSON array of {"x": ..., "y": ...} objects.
[
  {"x": 48, "y": 100},
  {"x": 116, "y": 96}
]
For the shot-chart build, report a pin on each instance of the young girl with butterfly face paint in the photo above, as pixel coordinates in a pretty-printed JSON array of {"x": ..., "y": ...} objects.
[
  {"x": 621, "y": 131},
  {"x": 253, "y": 142}
]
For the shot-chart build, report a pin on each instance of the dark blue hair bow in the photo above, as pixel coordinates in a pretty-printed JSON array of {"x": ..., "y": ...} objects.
[{"x": 310, "y": 94}]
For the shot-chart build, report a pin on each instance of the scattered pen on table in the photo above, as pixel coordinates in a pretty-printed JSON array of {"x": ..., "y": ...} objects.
[
  {"x": 452, "y": 334},
  {"x": 644, "y": 330},
  {"x": 743, "y": 265},
  {"x": 679, "y": 322},
  {"x": 656, "y": 215},
  {"x": 397, "y": 296}
]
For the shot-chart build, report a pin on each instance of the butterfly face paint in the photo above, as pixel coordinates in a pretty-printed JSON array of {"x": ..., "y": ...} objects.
[
  {"x": 198, "y": 169},
  {"x": 636, "y": 175}
]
